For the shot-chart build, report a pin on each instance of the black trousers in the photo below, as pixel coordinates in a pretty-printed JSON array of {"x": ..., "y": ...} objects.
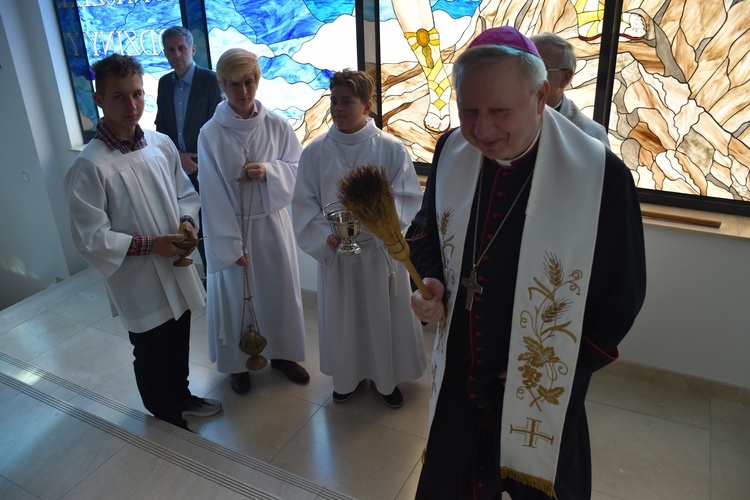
[{"x": 161, "y": 368}]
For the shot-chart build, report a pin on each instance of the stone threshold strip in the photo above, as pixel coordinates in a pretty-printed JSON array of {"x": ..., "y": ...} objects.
[{"x": 156, "y": 449}]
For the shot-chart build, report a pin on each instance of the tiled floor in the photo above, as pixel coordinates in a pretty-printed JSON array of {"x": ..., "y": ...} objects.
[{"x": 72, "y": 425}]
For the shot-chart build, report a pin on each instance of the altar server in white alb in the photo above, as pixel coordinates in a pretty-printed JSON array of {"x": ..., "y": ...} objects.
[
  {"x": 366, "y": 327},
  {"x": 128, "y": 196},
  {"x": 247, "y": 225}
]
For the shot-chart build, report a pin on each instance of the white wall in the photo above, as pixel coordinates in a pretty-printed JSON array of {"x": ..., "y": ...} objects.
[
  {"x": 694, "y": 320},
  {"x": 696, "y": 316},
  {"x": 35, "y": 248}
]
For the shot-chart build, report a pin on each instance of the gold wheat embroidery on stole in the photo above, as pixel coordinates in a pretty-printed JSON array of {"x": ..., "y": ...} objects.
[
  {"x": 446, "y": 252},
  {"x": 540, "y": 365}
]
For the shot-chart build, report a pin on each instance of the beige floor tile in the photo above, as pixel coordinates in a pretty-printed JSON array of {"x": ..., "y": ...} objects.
[
  {"x": 134, "y": 473},
  {"x": 11, "y": 491},
  {"x": 258, "y": 424},
  {"x": 351, "y": 455},
  {"x": 730, "y": 451},
  {"x": 122, "y": 387},
  {"x": 23, "y": 311},
  {"x": 37, "y": 379},
  {"x": 38, "y": 335},
  {"x": 126, "y": 419},
  {"x": 639, "y": 457},
  {"x": 316, "y": 391},
  {"x": 597, "y": 495},
  {"x": 204, "y": 380},
  {"x": 410, "y": 487},
  {"x": 199, "y": 343},
  {"x": 48, "y": 452},
  {"x": 367, "y": 404},
  {"x": 650, "y": 439},
  {"x": 112, "y": 324},
  {"x": 202, "y": 453},
  {"x": 88, "y": 359},
  {"x": 251, "y": 471},
  {"x": 89, "y": 306},
  {"x": 649, "y": 399},
  {"x": 7, "y": 393}
]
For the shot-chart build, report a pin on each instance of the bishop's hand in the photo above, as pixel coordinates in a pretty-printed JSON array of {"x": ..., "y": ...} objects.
[{"x": 433, "y": 309}]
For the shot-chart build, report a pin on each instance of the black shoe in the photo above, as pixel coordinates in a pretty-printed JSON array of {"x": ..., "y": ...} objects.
[
  {"x": 394, "y": 399},
  {"x": 240, "y": 382},
  {"x": 340, "y": 398},
  {"x": 292, "y": 370}
]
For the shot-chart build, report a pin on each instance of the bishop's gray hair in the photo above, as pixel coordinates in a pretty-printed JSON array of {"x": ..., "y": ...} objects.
[{"x": 485, "y": 55}]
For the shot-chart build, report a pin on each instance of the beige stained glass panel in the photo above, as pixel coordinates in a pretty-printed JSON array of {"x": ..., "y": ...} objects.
[{"x": 681, "y": 101}]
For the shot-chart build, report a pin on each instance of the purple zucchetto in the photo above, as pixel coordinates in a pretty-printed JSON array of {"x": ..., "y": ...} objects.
[{"x": 505, "y": 35}]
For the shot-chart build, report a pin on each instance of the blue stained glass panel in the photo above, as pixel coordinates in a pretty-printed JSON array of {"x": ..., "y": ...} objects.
[
  {"x": 299, "y": 44},
  {"x": 131, "y": 27}
]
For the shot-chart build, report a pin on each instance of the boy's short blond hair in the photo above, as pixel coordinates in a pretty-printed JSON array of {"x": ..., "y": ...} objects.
[{"x": 235, "y": 64}]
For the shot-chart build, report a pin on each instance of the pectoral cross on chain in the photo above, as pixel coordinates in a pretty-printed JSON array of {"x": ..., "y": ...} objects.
[{"x": 472, "y": 287}]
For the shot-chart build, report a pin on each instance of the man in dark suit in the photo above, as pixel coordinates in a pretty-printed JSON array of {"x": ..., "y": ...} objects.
[{"x": 186, "y": 99}]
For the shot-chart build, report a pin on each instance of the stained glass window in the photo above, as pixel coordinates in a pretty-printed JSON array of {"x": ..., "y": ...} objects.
[
  {"x": 680, "y": 111},
  {"x": 131, "y": 27},
  {"x": 680, "y": 106},
  {"x": 299, "y": 44},
  {"x": 682, "y": 100}
]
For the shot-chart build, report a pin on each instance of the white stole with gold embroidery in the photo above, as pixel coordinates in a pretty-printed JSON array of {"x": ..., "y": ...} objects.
[{"x": 553, "y": 274}]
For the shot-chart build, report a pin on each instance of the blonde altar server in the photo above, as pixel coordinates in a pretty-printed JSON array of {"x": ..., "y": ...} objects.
[
  {"x": 247, "y": 226},
  {"x": 367, "y": 329}
]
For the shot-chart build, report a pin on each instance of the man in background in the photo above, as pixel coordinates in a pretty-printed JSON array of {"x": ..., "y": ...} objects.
[
  {"x": 560, "y": 60},
  {"x": 187, "y": 98}
]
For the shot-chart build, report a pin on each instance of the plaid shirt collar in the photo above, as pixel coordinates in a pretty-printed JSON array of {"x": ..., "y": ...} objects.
[{"x": 108, "y": 137}]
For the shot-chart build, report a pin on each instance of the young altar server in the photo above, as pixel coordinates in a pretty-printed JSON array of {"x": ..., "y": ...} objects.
[
  {"x": 249, "y": 238},
  {"x": 128, "y": 195},
  {"x": 366, "y": 327}
]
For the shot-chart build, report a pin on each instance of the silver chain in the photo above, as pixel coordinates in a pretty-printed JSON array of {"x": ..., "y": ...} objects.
[
  {"x": 250, "y": 141},
  {"x": 245, "y": 225}
]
